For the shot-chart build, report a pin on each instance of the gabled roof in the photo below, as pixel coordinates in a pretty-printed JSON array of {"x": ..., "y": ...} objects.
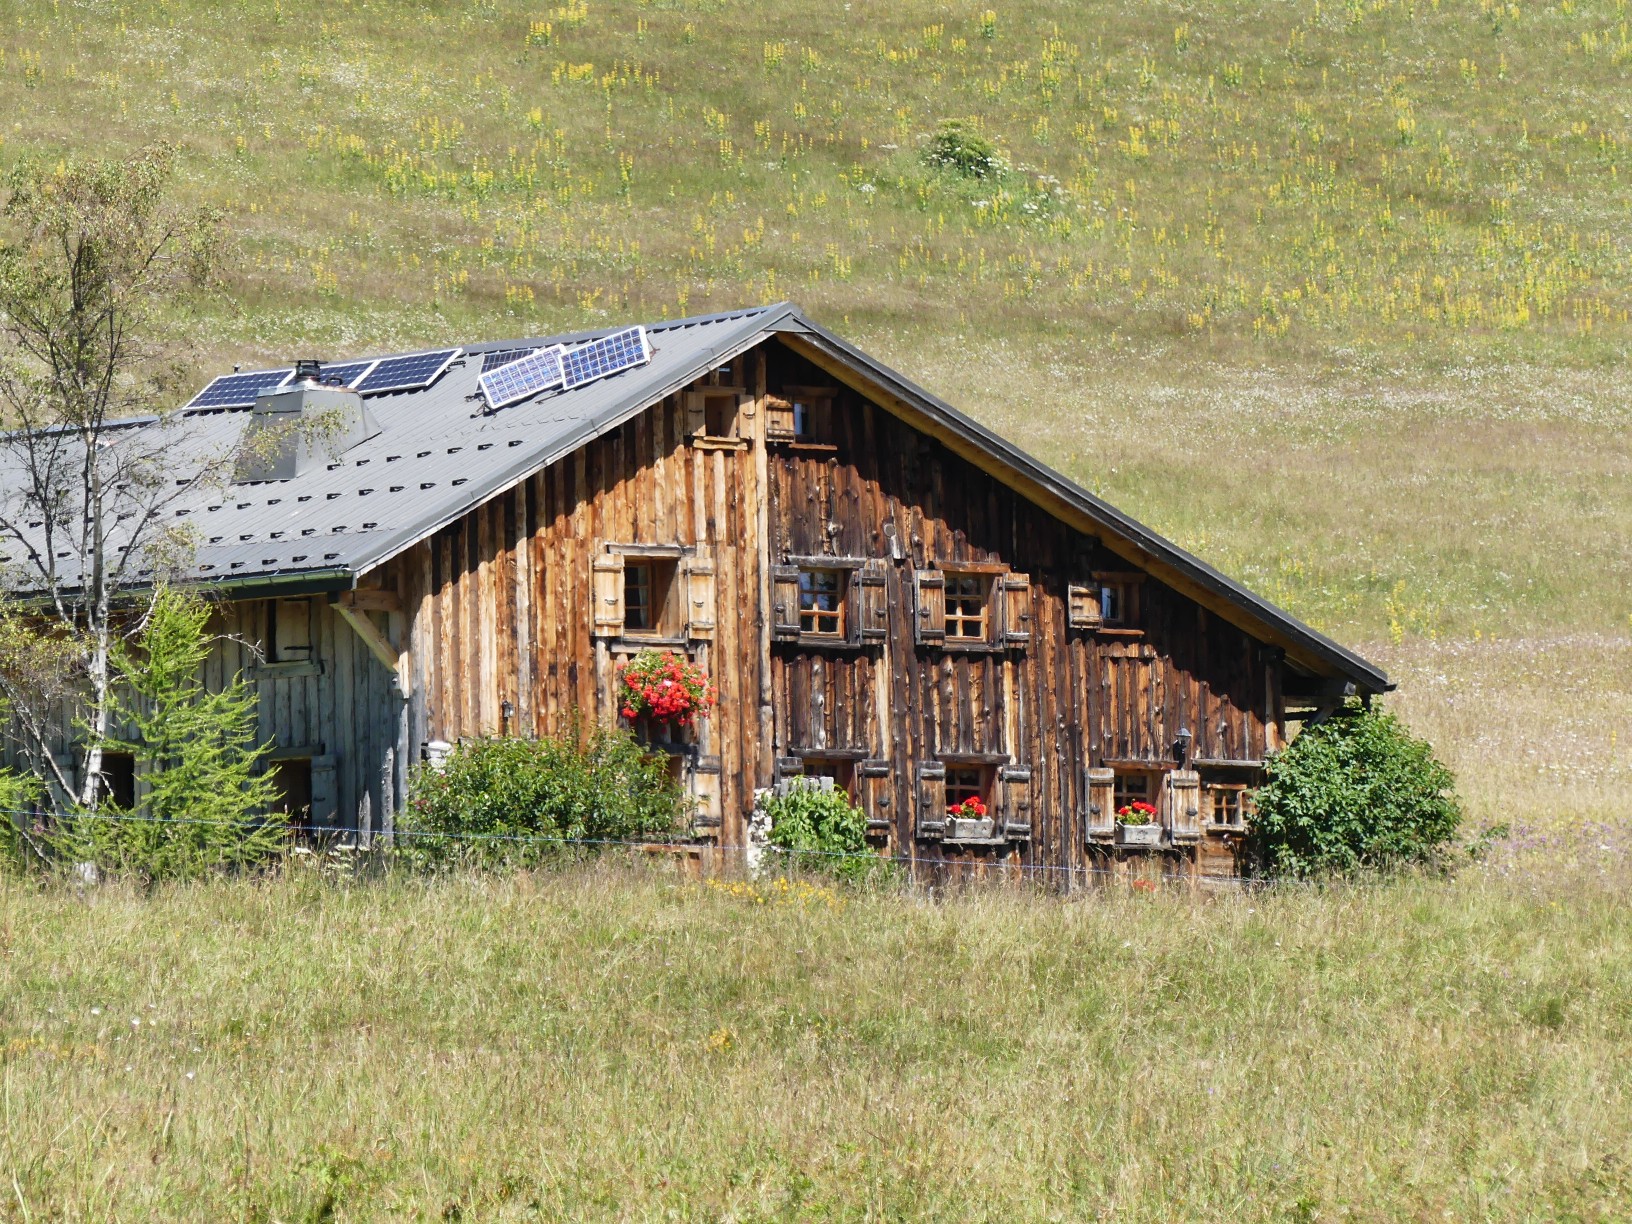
[{"x": 439, "y": 454}]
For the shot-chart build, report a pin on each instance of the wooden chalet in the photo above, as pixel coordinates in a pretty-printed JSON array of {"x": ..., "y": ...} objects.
[{"x": 885, "y": 593}]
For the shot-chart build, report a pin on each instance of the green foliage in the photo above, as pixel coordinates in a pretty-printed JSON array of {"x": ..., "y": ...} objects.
[
  {"x": 956, "y": 148},
  {"x": 601, "y": 786},
  {"x": 204, "y": 804},
  {"x": 819, "y": 830},
  {"x": 1356, "y": 792},
  {"x": 19, "y": 844}
]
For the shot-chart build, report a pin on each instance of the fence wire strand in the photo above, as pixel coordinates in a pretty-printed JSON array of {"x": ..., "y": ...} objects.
[{"x": 996, "y": 867}]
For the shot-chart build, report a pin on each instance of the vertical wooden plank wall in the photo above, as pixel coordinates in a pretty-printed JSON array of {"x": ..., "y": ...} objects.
[{"x": 1071, "y": 699}]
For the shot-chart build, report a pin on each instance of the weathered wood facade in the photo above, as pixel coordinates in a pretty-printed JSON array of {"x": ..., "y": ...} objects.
[{"x": 883, "y": 593}]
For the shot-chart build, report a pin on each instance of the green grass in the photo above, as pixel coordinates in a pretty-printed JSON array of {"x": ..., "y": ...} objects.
[{"x": 608, "y": 1045}]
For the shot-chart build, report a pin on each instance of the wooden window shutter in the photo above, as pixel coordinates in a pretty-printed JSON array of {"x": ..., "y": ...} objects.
[
  {"x": 1101, "y": 785},
  {"x": 1184, "y": 805},
  {"x": 873, "y": 785},
  {"x": 292, "y": 637},
  {"x": 1014, "y": 596},
  {"x": 932, "y": 799},
  {"x": 700, "y": 594},
  {"x": 742, "y": 425},
  {"x": 1082, "y": 607},
  {"x": 929, "y": 612},
  {"x": 872, "y": 602},
  {"x": 608, "y": 595},
  {"x": 778, "y": 418},
  {"x": 1014, "y": 801},
  {"x": 696, "y": 414},
  {"x": 785, "y": 601},
  {"x": 705, "y": 793}
]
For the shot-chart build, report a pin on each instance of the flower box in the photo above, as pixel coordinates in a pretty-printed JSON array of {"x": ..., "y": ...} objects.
[
  {"x": 969, "y": 828},
  {"x": 1143, "y": 836}
]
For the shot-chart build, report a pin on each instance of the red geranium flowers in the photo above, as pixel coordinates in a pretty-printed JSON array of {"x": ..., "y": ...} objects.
[{"x": 665, "y": 686}]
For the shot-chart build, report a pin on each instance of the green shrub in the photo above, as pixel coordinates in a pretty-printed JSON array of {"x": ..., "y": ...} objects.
[
  {"x": 819, "y": 830},
  {"x": 20, "y": 844},
  {"x": 204, "y": 803},
  {"x": 479, "y": 804},
  {"x": 968, "y": 154},
  {"x": 1356, "y": 792}
]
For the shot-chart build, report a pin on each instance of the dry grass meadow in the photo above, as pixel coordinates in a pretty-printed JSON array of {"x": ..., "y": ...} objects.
[{"x": 1335, "y": 294}]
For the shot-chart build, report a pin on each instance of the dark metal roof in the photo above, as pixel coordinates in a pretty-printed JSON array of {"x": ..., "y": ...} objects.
[{"x": 439, "y": 453}]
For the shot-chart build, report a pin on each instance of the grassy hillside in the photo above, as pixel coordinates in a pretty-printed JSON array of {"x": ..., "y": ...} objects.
[{"x": 603, "y": 1046}]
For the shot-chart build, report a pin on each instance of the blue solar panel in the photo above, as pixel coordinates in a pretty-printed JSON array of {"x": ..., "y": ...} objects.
[
  {"x": 516, "y": 381},
  {"x": 346, "y": 373},
  {"x": 621, "y": 350},
  {"x": 239, "y": 390},
  {"x": 492, "y": 361},
  {"x": 407, "y": 373}
]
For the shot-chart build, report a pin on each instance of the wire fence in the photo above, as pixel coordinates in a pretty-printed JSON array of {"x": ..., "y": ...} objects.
[{"x": 994, "y": 868}]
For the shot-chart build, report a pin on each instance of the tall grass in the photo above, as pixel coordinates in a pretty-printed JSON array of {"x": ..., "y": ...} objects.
[{"x": 617, "y": 1045}]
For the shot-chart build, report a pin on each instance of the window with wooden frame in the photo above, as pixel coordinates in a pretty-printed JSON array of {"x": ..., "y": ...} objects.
[
  {"x": 1134, "y": 787},
  {"x": 829, "y": 601},
  {"x": 984, "y": 606},
  {"x": 650, "y": 592},
  {"x": 1119, "y": 600},
  {"x": 648, "y": 597},
  {"x": 716, "y": 416},
  {"x": 841, "y": 771},
  {"x": 822, "y": 597},
  {"x": 801, "y": 415},
  {"x": 1229, "y": 805},
  {"x": 968, "y": 606},
  {"x": 966, "y": 782}
]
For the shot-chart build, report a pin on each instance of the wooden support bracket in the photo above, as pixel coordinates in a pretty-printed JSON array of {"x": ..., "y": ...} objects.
[{"x": 394, "y": 661}]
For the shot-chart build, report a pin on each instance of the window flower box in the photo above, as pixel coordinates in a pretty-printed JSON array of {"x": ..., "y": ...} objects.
[
  {"x": 1137, "y": 826},
  {"x": 1139, "y": 836},
  {"x": 969, "y": 828}
]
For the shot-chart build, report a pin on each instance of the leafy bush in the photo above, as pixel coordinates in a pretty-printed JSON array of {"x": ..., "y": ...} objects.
[
  {"x": 1356, "y": 792},
  {"x": 819, "y": 830},
  {"x": 19, "y": 841},
  {"x": 968, "y": 154},
  {"x": 205, "y": 801},
  {"x": 479, "y": 804}
]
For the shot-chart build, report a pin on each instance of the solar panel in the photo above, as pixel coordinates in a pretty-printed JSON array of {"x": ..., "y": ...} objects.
[
  {"x": 492, "y": 361},
  {"x": 621, "y": 350},
  {"x": 239, "y": 390},
  {"x": 516, "y": 381},
  {"x": 346, "y": 373},
  {"x": 407, "y": 373}
]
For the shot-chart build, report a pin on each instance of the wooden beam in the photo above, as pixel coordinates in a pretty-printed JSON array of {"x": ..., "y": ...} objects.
[
  {"x": 390, "y": 658},
  {"x": 371, "y": 600}
]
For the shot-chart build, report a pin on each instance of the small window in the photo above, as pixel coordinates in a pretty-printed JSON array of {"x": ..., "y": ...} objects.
[
  {"x": 720, "y": 416},
  {"x": 842, "y": 772},
  {"x": 966, "y": 782},
  {"x": 648, "y": 596},
  {"x": 821, "y": 603},
  {"x": 967, "y": 607},
  {"x": 1230, "y": 807},
  {"x": 293, "y": 778},
  {"x": 1119, "y": 603},
  {"x": 1133, "y": 788},
  {"x": 119, "y": 780},
  {"x": 800, "y": 414}
]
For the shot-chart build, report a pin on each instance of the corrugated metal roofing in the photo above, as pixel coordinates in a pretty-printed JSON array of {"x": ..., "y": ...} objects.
[{"x": 439, "y": 453}]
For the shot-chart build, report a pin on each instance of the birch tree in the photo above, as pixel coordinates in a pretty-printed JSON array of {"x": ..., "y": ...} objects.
[{"x": 95, "y": 260}]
